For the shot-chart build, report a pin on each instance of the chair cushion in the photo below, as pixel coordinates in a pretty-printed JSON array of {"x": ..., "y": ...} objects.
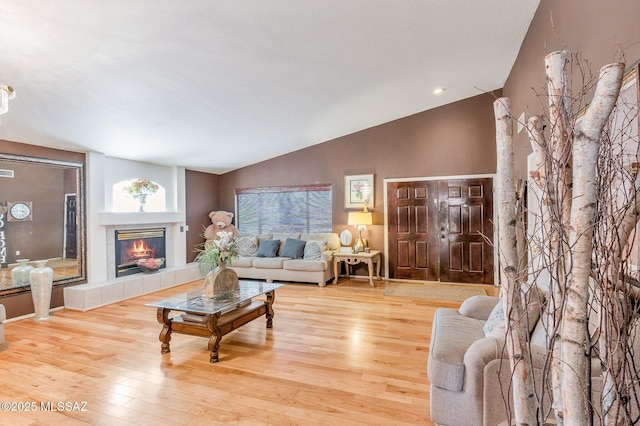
[
  {"x": 293, "y": 248},
  {"x": 451, "y": 336}
]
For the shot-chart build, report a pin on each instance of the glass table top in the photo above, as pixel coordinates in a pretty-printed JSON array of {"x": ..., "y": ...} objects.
[{"x": 194, "y": 302}]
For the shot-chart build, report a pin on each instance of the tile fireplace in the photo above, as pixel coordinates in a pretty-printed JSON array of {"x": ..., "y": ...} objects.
[{"x": 132, "y": 245}]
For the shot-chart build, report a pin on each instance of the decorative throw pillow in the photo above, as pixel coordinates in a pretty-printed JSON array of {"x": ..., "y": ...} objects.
[
  {"x": 293, "y": 248},
  {"x": 313, "y": 249},
  {"x": 495, "y": 323},
  {"x": 268, "y": 248},
  {"x": 247, "y": 246},
  {"x": 496, "y": 326}
]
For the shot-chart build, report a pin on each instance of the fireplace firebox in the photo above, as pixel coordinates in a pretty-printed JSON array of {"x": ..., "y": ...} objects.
[{"x": 133, "y": 245}]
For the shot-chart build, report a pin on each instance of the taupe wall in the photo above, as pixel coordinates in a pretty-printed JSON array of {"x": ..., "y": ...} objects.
[
  {"x": 600, "y": 31},
  {"x": 201, "y": 198},
  {"x": 452, "y": 140}
]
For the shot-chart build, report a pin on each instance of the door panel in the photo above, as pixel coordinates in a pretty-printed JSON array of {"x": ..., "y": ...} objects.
[
  {"x": 467, "y": 207},
  {"x": 438, "y": 230},
  {"x": 411, "y": 238}
]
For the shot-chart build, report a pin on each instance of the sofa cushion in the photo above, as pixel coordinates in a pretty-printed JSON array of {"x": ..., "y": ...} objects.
[
  {"x": 332, "y": 239},
  {"x": 313, "y": 249},
  {"x": 243, "y": 262},
  {"x": 293, "y": 248},
  {"x": 283, "y": 238},
  {"x": 247, "y": 246},
  {"x": 305, "y": 265},
  {"x": 451, "y": 336},
  {"x": 268, "y": 262},
  {"x": 268, "y": 248}
]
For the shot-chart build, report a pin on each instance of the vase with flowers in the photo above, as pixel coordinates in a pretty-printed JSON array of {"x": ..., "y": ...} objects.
[
  {"x": 140, "y": 189},
  {"x": 220, "y": 282}
]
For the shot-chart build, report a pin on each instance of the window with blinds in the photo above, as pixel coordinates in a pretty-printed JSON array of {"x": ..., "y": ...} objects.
[{"x": 283, "y": 209}]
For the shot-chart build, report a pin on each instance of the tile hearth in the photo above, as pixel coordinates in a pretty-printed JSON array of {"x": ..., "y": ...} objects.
[{"x": 84, "y": 297}]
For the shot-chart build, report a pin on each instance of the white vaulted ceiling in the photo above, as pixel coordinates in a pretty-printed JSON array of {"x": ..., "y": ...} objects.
[{"x": 220, "y": 84}]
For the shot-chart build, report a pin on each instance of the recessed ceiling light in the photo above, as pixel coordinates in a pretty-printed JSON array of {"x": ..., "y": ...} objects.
[{"x": 438, "y": 90}]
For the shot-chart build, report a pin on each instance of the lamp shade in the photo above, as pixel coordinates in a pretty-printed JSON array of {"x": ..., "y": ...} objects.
[{"x": 360, "y": 218}]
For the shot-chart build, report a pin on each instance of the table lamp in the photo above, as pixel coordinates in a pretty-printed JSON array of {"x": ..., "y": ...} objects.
[{"x": 360, "y": 220}]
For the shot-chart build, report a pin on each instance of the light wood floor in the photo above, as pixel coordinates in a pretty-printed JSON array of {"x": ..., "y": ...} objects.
[{"x": 341, "y": 354}]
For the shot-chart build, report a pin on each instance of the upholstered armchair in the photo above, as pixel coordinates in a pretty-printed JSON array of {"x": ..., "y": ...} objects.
[{"x": 467, "y": 360}]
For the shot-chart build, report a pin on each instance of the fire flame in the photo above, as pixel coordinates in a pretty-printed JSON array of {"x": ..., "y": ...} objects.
[{"x": 140, "y": 249}]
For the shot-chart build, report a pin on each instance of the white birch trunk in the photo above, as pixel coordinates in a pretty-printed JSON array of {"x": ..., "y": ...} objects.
[
  {"x": 574, "y": 330},
  {"x": 510, "y": 278},
  {"x": 555, "y": 207}
]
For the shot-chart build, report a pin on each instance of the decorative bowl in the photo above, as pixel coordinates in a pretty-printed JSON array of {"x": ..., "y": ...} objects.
[{"x": 150, "y": 265}]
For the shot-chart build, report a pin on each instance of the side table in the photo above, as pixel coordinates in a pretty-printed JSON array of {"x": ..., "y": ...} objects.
[{"x": 353, "y": 259}]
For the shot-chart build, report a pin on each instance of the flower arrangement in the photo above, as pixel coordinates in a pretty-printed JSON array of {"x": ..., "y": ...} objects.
[
  {"x": 140, "y": 187},
  {"x": 222, "y": 250}
]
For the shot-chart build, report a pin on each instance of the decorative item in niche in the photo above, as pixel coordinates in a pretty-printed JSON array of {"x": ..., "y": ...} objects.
[
  {"x": 358, "y": 191},
  {"x": 140, "y": 189}
]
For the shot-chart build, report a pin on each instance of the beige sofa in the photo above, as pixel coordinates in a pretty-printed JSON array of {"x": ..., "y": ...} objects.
[
  {"x": 314, "y": 266},
  {"x": 3, "y": 317}
]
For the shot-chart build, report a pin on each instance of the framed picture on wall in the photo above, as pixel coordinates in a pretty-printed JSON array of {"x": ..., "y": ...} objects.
[{"x": 358, "y": 191}]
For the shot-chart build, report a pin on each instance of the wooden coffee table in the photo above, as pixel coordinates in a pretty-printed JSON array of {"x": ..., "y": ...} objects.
[{"x": 213, "y": 318}]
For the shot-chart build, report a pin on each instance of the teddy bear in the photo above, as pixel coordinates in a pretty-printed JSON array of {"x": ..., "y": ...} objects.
[{"x": 220, "y": 222}]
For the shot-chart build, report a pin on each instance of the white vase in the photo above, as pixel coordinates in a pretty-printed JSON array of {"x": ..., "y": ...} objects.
[
  {"x": 20, "y": 274},
  {"x": 221, "y": 283},
  {"x": 142, "y": 200},
  {"x": 41, "y": 278}
]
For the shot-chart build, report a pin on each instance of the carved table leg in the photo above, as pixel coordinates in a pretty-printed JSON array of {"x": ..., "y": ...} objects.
[
  {"x": 216, "y": 336},
  {"x": 336, "y": 263},
  {"x": 271, "y": 297},
  {"x": 370, "y": 268},
  {"x": 165, "y": 333}
]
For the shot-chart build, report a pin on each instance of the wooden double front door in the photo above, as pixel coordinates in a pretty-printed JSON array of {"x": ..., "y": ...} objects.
[{"x": 441, "y": 230}]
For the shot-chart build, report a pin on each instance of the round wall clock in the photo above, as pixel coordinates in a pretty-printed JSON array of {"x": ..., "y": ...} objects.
[{"x": 19, "y": 211}]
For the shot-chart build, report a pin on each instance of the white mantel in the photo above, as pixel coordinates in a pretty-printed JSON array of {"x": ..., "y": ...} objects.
[{"x": 133, "y": 218}]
